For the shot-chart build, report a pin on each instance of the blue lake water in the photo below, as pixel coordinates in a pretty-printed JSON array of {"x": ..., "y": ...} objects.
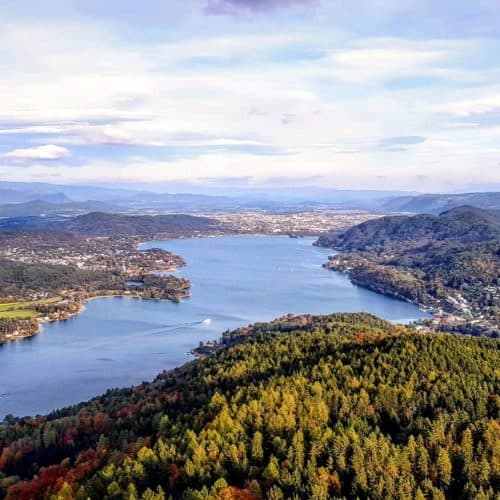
[{"x": 117, "y": 342}]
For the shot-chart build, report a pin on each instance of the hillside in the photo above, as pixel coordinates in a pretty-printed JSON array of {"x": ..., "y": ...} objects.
[
  {"x": 113, "y": 225},
  {"x": 341, "y": 406},
  {"x": 437, "y": 203},
  {"x": 19, "y": 278},
  {"x": 459, "y": 225},
  {"x": 449, "y": 262}
]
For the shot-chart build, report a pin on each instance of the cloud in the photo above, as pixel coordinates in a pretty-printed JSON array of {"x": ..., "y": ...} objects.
[
  {"x": 256, "y": 111},
  {"x": 481, "y": 104},
  {"x": 104, "y": 135},
  {"x": 372, "y": 60},
  {"x": 399, "y": 144},
  {"x": 479, "y": 111},
  {"x": 486, "y": 119},
  {"x": 234, "y": 7},
  {"x": 48, "y": 152}
]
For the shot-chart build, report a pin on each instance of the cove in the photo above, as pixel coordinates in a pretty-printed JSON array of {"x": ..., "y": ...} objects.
[{"x": 118, "y": 342}]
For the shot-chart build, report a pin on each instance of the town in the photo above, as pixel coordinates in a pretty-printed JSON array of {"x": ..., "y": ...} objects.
[{"x": 303, "y": 223}]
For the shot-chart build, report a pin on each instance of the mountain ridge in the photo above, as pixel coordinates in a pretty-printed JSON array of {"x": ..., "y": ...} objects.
[{"x": 465, "y": 224}]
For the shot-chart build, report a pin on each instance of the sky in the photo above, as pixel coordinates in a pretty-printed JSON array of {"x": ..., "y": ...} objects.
[{"x": 365, "y": 94}]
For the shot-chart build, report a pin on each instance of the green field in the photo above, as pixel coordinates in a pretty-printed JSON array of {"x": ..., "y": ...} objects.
[
  {"x": 20, "y": 310},
  {"x": 11, "y": 305},
  {"x": 17, "y": 314}
]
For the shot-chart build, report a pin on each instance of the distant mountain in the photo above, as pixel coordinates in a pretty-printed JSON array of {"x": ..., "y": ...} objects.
[
  {"x": 19, "y": 196},
  {"x": 461, "y": 225},
  {"x": 181, "y": 199},
  {"x": 437, "y": 203},
  {"x": 43, "y": 208},
  {"x": 53, "y": 192},
  {"x": 105, "y": 224},
  {"x": 206, "y": 199},
  {"x": 52, "y": 198}
]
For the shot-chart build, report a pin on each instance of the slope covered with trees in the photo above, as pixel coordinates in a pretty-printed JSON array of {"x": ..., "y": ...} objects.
[
  {"x": 113, "y": 225},
  {"x": 450, "y": 262},
  {"x": 437, "y": 203},
  {"x": 461, "y": 225},
  {"x": 340, "y": 406}
]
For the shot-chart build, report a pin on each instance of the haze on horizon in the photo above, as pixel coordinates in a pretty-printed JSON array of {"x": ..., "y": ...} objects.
[{"x": 252, "y": 93}]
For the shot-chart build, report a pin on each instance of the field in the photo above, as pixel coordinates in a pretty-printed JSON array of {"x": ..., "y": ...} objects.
[{"x": 21, "y": 310}]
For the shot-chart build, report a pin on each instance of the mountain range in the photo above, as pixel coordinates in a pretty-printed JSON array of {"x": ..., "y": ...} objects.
[{"x": 67, "y": 199}]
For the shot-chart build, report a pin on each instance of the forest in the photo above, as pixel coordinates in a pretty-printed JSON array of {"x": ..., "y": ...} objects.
[
  {"x": 450, "y": 262},
  {"x": 339, "y": 406},
  {"x": 397, "y": 234},
  {"x": 145, "y": 226},
  {"x": 20, "y": 279}
]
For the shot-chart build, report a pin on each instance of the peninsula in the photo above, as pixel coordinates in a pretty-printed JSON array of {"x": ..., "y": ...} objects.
[
  {"x": 449, "y": 264},
  {"x": 46, "y": 274}
]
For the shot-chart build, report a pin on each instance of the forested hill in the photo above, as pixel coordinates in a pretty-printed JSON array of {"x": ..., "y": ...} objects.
[
  {"x": 449, "y": 262},
  {"x": 459, "y": 225},
  {"x": 341, "y": 406},
  {"x": 112, "y": 225}
]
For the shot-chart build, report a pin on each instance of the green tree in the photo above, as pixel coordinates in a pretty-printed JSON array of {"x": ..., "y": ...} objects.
[{"x": 257, "y": 450}]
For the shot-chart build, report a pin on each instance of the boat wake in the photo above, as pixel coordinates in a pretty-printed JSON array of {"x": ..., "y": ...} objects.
[{"x": 179, "y": 326}]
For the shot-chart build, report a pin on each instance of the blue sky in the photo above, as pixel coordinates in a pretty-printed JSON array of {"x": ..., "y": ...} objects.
[{"x": 378, "y": 94}]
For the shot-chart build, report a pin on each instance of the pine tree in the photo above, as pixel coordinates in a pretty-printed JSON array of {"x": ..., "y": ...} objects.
[
  {"x": 443, "y": 465},
  {"x": 257, "y": 450},
  {"x": 272, "y": 472}
]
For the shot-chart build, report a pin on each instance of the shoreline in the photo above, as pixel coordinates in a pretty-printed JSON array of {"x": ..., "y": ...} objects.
[
  {"x": 41, "y": 321},
  {"x": 175, "y": 269},
  {"x": 433, "y": 309},
  {"x": 81, "y": 308},
  {"x": 444, "y": 315},
  {"x": 428, "y": 308}
]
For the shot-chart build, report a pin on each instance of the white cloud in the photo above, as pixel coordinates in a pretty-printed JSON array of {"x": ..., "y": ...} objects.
[
  {"x": 373, "y": 60},
  {"x": 482, "y": 102},
  {"x": 46, "y": 152},
  {"x": 102, "y": 134}
]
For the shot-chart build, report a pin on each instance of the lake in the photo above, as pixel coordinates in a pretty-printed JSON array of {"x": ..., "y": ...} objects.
[{"x": 117, "y": 342}]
